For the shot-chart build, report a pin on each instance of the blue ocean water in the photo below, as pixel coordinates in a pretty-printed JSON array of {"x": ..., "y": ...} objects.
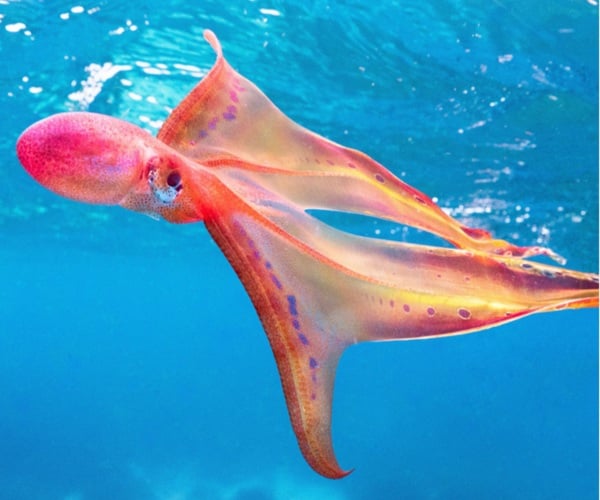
[{"x": 132, "y": 365}]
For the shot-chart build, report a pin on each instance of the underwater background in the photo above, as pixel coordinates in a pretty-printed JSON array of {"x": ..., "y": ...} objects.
[{"x": 132, "y": 365}]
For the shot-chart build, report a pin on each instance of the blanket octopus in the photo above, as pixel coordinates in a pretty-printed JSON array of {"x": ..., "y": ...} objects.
[{"x": 228, "y": 157}]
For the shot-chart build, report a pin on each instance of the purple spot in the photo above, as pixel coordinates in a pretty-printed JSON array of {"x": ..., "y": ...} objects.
[
  {"x": 313, "y": 363},
  {"x": 391, "y": 303},
  {"x": 256, "y": 254},
  {"x": 430, "y": 311},
  {"x": 379, "y": 178},
  {"x": 420, "y": 200},
  {"x": 229, "y": 113},
  {"x": 464, "y": 313},
  {"x": 296, "y": 324},
  {"x": 313, "y": 396},
  {"x": 268, "y": 264},
  {"x": 233, "y": 96},
  {"x": 526, "y": 265},
  {"x": 406, "y": 308},
  {"x": 292, "y": 305},
  {"x": 351, "y": 165},
  {"x": 303, "y": 338},
  {"x": 203, "y": 134},
  {"x": 212, "y": 124},
  {"x": 276, "y": 282}
]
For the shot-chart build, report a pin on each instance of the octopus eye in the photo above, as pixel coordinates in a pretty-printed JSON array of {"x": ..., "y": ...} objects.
[
  {"x": 164, "y": 188},
  {"x": 174, "y": 180}
]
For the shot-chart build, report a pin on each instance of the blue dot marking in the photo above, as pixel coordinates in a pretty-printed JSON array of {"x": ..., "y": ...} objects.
[
  {"x": 276, "y": 282},
  {"x": 292, "y": 305}
]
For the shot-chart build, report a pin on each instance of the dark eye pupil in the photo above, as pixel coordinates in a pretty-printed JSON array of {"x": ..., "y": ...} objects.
[{"x": 174, "y": 179}]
